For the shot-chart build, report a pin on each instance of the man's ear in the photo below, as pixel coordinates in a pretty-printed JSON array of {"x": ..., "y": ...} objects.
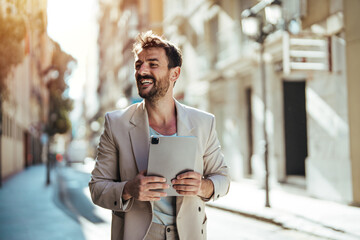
[{"x": 175, "y": 74}]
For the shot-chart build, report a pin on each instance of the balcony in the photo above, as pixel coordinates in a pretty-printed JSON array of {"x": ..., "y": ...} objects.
[{"x": 305, "y": 53}]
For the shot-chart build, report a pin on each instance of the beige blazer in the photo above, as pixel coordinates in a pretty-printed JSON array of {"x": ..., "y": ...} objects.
[{"x": 123, "y": 152}]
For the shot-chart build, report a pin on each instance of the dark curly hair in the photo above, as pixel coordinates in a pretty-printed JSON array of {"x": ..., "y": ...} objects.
[{"x": 149, "y": 39}]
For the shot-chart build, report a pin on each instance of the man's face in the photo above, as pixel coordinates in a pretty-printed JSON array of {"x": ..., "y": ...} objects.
[{"x": 152, "y": 73}]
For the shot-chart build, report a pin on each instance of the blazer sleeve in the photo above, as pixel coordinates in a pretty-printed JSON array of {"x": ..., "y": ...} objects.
[
  {"x": 215, "y": 168},
  {"x": 105, "y": 186}
]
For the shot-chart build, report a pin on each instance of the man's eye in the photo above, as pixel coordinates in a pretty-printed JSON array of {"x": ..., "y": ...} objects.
[
  {"x": 137, "y": 66},
  {"x": 153, "y": 65}
]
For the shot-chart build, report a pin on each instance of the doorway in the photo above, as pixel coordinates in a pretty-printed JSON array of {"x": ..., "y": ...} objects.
[{"x": 295, "y": 127}]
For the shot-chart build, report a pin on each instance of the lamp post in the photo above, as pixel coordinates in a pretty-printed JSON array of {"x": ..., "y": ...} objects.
[
  {"x": 49, "y": 74},
  {"x": 254, "y": 26}
]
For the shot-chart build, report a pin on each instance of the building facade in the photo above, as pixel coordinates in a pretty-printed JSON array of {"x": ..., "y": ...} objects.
[{"x": 25, "y": 110}]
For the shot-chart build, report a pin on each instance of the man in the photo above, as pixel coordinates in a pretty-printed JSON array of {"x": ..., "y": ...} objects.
[{"x": 119, "y": 180}]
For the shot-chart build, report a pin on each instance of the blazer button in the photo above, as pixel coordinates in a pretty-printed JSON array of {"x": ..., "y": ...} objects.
[
  {"x": 199, "y": 209},
  {"x": 115, "y": 203},
  {"x": 202, "y": 231}
]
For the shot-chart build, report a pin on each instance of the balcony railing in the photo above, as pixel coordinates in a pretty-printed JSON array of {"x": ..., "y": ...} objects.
[{"x": 305, "y": 53}]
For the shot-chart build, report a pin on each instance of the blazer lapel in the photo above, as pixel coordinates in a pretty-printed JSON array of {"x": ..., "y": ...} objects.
[
  {"x": 139, "y": 136},
  {"x": 184, "y": 125}
]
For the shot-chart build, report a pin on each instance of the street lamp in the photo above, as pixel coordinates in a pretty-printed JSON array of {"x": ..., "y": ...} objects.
[
  {"x": 254, "y": 26},
  {"x": 251, "y": 24},
  {"x": 273, "y": 12},
  {"x": 49, "y": 74}
]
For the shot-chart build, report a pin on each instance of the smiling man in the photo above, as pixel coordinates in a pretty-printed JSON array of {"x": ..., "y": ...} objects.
[
  {"x": 149, "y": 64},
  {"x": 119, "y": 180}
]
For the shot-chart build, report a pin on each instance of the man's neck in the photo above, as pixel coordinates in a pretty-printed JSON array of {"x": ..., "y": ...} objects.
[{"x": 162, "y": 116}]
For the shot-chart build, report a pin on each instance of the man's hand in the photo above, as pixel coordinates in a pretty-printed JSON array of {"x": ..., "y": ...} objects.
[
  {"x": 142, "y": 188},
  {"x": 193, "y": 184}
]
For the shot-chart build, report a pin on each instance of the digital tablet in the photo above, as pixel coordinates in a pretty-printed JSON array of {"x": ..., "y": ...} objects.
[{"x": 171, "y": 155}]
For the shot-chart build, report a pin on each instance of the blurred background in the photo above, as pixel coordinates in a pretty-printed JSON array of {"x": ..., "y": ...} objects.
[{"x": 281, "y": 77}]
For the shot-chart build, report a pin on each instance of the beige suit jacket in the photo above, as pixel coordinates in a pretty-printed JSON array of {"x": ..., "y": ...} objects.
[{"x": 123, "y": 152}]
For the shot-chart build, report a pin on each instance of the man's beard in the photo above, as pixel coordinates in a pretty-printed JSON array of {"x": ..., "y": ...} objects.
[{"x": 158, "y": 90}]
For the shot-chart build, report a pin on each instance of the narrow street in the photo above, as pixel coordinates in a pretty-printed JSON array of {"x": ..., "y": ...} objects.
[{"x": 95, "y": 221}]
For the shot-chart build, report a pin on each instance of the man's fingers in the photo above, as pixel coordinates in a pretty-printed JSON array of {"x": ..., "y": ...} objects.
[
  {"x": 152, "y": 179},
  {"x": 186, "y": 181},
  {"x": 187, "y": 188},
  {"x": 152, "y": 199},
  {"x": 147, "y": 179},
  {"x": 186, "y": 193},
  {"x": 144, "y": 189},
  {"x": 189, "y": 174},
  {"x": 153, "y": 195},
  {"x": 151, "y": 186},
  {"x": 149, "y": 195}
]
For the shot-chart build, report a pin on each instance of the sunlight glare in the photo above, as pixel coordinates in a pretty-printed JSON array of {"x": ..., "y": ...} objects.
[{"x": 72, "y": 24}]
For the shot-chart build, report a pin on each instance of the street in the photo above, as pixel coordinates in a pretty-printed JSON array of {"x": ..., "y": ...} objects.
[{"x": 221, "y": 224}]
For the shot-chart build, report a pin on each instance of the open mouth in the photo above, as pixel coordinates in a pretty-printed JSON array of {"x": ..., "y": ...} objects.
[{"x": 146, "y": 81}]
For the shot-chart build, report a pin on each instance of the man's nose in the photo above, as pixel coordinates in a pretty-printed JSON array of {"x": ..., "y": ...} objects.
[{"x": 143, "y": 70}]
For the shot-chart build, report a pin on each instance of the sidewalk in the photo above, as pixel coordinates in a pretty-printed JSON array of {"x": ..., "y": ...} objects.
[
  {"x": 318, "y": 217},
  {"x": 29, "y": 210}
]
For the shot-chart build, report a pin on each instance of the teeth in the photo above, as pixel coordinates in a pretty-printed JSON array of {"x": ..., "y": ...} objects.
[{"x": 146, "y": 81}]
